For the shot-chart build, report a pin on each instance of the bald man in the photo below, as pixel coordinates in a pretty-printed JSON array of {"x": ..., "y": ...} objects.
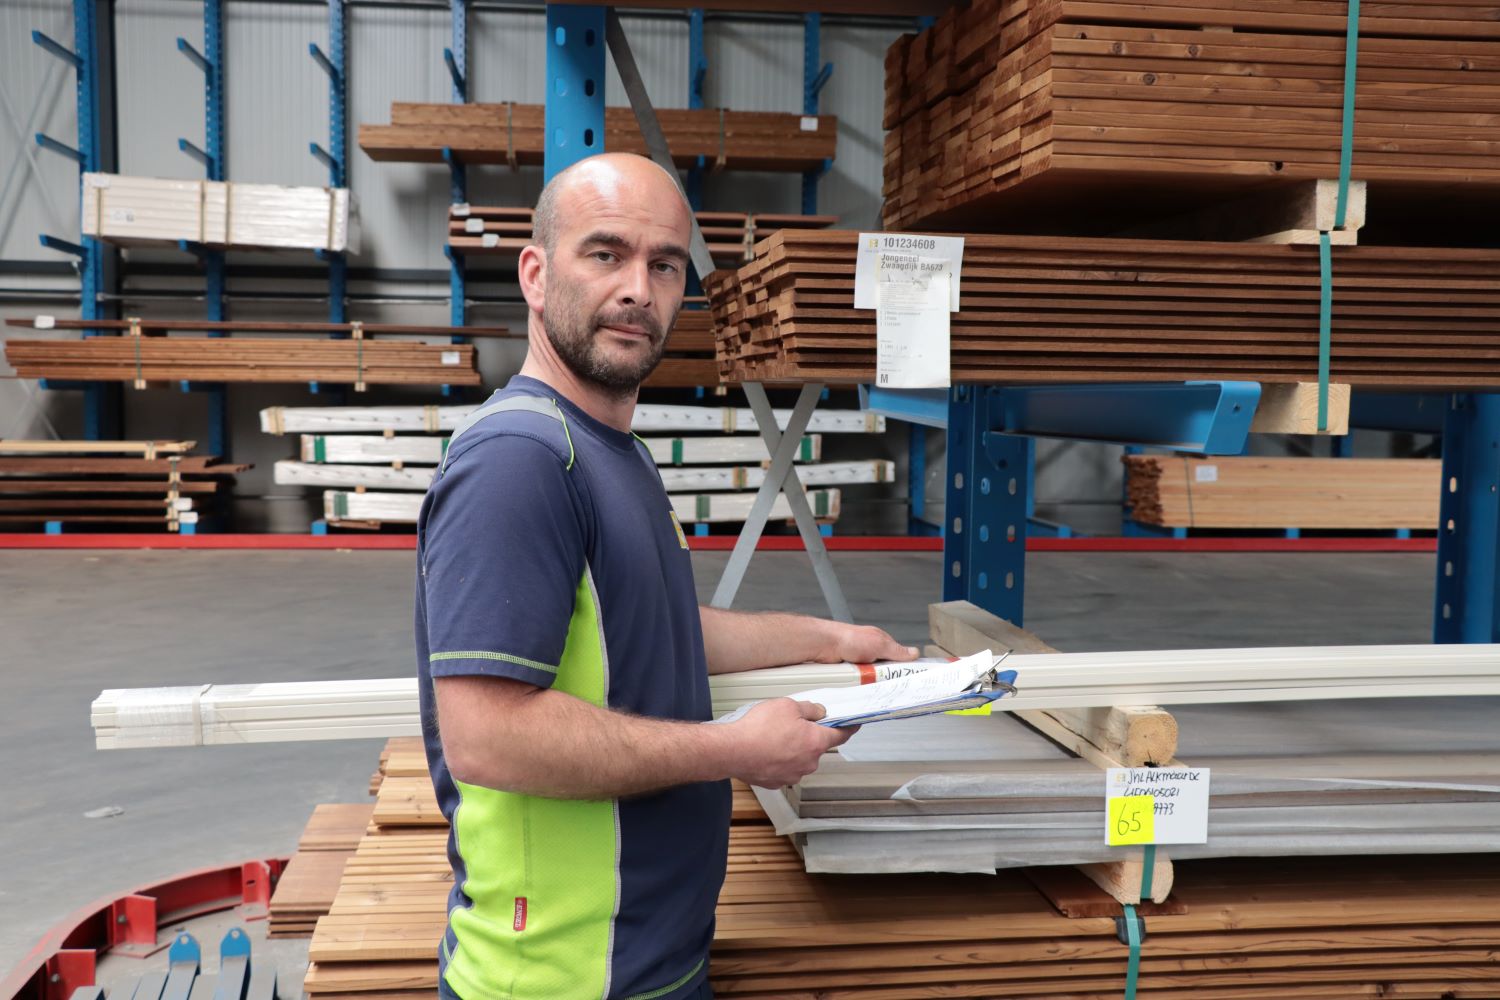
[{"x": 562, "y": 654}]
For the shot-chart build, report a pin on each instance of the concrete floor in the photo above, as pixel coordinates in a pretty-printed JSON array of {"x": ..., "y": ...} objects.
[{"x": 73, "y": 623}]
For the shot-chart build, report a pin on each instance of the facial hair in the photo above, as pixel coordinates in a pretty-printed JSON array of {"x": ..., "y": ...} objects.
[{"x": 575, "y": 338}]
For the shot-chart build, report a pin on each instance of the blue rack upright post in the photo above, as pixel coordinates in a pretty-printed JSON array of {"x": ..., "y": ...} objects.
[
  {"x": 94, "y": 153},
  {"x": 815, "y": 74},
  {"x": 212, "y": 156},
  {"x": 574, "y": 107},
  {"x": 1468, "y": 569},
  {"x": 335, "y": 64},
  {"x": 457, "y": 61}
]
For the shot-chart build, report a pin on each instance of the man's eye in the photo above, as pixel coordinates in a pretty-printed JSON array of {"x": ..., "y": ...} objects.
[
  {"x": 603, "y": 256},
  {"x": 666, "y": 267}
]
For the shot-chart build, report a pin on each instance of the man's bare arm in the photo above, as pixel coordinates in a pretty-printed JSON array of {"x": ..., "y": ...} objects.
[
  {"x": 505, "y": 734},
  {"x": 736, "y": 640}
]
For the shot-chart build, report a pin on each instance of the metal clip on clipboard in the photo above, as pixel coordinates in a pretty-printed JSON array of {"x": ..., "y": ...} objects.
[{"x": 993, "y": 684}]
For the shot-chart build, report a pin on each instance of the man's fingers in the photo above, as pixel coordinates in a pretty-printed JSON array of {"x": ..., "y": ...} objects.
[{"x": 811, "y": 710}]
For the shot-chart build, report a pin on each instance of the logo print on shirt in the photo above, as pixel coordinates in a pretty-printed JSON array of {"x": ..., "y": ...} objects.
[
  {"x": 677, "y": 527},
  {"x": 520, "y": 923}
]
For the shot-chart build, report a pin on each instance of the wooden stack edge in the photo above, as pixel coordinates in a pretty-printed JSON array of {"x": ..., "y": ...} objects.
[
  {"x": 731, "y": 236},
  {"x": 513, "y": 134},
  {"x": 143, "y": 360},
  {"x": 74, "y": 482},
  {"x": 1086, "y": 309},
  {"x": 311, "y": 879},
  {"x": 1173, "y": 491},
  {"x": 1024, "y": 111}
]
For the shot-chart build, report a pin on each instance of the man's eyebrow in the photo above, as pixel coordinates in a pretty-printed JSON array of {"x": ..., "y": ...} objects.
[
  {"x": 672, "y": 250},
  {"x": 607, "y": 239}
]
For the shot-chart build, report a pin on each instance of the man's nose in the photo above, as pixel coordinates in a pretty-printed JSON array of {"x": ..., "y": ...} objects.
[{"x": 635, "y": 289}]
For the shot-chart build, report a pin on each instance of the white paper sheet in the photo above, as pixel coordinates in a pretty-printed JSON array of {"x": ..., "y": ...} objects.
[{"x": 912, "y": 343}]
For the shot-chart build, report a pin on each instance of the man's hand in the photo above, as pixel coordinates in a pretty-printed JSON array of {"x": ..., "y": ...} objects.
[
  {"x": 860, "y": 644},
  {"x": 779, "y": 742}
]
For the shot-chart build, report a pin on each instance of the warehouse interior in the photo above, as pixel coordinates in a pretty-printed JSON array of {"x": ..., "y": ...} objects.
[{"x": 1207, "y": 416}]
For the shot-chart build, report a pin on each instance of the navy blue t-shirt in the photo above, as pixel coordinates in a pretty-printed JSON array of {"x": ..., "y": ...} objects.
[{"x": 548, "y": 553}]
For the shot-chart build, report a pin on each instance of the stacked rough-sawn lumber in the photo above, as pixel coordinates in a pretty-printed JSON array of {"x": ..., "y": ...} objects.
[
  {"x": 513, "y": 133},
  {"x": 1081, "y": 115},
  {"x": 151, "y": 483},
  {"x": 311, "y": 878},
  {"x": 1174, "y": 491},
  {"x": 504, "y": 231},
  {"x": 1084, "y": 309},
  {"x": 243, "y": 359},
  {"x": 1403, "y": 927}
]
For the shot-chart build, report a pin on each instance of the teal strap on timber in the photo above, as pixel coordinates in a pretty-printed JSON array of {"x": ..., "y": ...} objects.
[
  {"x": 320, "y": 449},
  {"x": 1340, "y": 214},
  {"x": 1133, "y": 922},
  {"x": 821, "y": 498},
  {"x": 807, "y": 449},
  {"x": 704, "y": 506},
  {"x": 341, "y": 505},
  {"x": 677, "y": 451},
  {"x": 528, "y": 404}
]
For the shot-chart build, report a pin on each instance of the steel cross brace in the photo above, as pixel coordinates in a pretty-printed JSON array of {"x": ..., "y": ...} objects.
[{"x": 782, "y": 476}]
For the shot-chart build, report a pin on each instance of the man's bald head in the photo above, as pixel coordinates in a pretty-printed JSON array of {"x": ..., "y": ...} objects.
[{"x": 607, "y": 175}]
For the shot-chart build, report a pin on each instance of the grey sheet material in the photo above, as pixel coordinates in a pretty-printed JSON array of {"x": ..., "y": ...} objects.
[{"x": 1361, "y": 735}]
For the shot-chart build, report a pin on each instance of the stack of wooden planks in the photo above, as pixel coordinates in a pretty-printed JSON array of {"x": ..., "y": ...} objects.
[
  {"x": 151, "y": 211},
  {"x": 142, "y": 360},
  {"x": 513, "y": 134},
  {"x": 1392, "y": 926},
  {"x": 1080, "y": 116},
  {"x": 1175, "y": 491},
  {"x": 307, "y": 886},
  {"x": 148, "y": 483},
  {"x": 504, "y": 231},
  {"x": 1084, "y": 309}
]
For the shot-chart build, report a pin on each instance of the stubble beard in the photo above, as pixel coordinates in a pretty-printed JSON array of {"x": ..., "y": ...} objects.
[{"x": 575, "y": 338}]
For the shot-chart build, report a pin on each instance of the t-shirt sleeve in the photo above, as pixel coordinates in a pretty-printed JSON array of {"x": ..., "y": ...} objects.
[{"x": 503, "y": 558}]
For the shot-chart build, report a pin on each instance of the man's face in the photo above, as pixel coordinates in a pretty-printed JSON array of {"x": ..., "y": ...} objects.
[{"x": 615, "y": 280}]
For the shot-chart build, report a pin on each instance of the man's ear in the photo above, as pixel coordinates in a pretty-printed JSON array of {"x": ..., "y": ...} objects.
[{"x": 531, "y": 271}]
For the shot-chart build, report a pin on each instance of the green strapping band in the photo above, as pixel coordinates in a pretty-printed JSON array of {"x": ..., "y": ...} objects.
[
  {"x": 677, "y": 451},
  {"x": 822, "y": 502},
  {"x": 1133, "y": 922},
  {"x": 704, "y": 506},
  {"x": 137, "y": 339},
  {"x": 320, "y": 449},
  {"x": 341, "y": 505},
  {"x": 1340, "y": 213},
  {"x": 807, "y": 455},
  {"x": 444, "y": 446}
]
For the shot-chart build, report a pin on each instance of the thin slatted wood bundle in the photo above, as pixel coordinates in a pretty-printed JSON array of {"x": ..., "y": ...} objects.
[
  {"x": 151, "y": 326},
  {"x": 307, "y": 886},
  {"x": 1174, "y": 491},
  {"x": 731, "y": 236},
  {"x": 513, "y": 133},
  {"x": 689, "y": 356},
  {"x": 142, "y": 360},
  {"x": 151, "y": 211},
  {"x": 705, "y": 508},
  {"x": 81, "y": 482},
  {"x": 1077, "y": 117},
  {"x": 1084, "y": 309}
]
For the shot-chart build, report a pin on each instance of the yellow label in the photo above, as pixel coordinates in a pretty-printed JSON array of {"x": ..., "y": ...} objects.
[
  {"x": 677, "y": 526},
  {"x": 984, "y": 709},
  {"x": 1132, "y": 820}
]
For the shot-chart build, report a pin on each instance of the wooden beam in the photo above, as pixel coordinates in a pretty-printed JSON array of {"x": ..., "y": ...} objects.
[
  {"x": 1292, "y": 408},
  {"x": 1115, "y": 736}
]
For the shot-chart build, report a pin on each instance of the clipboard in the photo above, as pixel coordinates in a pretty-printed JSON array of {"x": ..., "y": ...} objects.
[{"x": 992, "y": 686}]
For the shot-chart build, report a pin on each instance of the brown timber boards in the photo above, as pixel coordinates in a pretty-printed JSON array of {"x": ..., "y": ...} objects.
[
  {"x": 1088, "y": 116},
  {"x": 1089, "y": 309},
  {"x": 243, "y": 359},
  {"x": 1244, "y": 492},
  {"x": 513, "y": 133}
]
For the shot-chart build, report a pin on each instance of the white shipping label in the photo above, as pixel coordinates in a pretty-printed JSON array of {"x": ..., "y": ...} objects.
[
  {"x": 182, "y": 503},
  {"x": 44, "y": 322},
  {"x": 188, "y": 517},
  {"x": 489, "y": 240},
  {"x": 473, "y": 225},
  {"x": 911, "y": 322},
  {"x": 1172, "y": 805},
  {"x": 809, "y": 123},
  {"x": 451, "y": 357},
  {"x": 872, "y": 245},
  {"x": 1206, "y": 473}
]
